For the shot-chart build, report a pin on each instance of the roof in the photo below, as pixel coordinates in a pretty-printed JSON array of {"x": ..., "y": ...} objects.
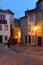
[
  {"x": 32, "y": 11},
  {"x": 38, "y": 1},
  {"x": 7, "y": 11},
  {"x": 23, "y": 17},
  {"x": 17, "y": 20},
  {"x": 3, "y": 21}
]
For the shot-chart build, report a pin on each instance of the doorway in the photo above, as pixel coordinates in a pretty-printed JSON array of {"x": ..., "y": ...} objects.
[
  {"x": 39, "y": 41},
  {"x": 0, "y": 39},
  {"x": 25, "y": 39},
  {"x": 29, "y": 39}
]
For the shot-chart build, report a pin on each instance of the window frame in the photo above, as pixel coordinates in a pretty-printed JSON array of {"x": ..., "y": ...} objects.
[
  {"x": 6, "y": 25},
  {"x": 1, "y": 27}
]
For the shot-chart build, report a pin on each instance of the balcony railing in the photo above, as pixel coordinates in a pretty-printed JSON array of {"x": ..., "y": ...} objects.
[{"x": 3, "y": 21}]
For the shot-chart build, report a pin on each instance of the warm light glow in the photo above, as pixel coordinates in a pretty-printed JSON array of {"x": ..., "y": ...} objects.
[
  {"x": 35, "y": 29},
  {"x": 19, "y": 33}
]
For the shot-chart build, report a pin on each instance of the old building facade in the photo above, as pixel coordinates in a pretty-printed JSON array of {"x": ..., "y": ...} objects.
[
  {"x": 35, "y": 24},
  {"x": 23, "y": 22},
  {"x": 17, "y": 30},
  {"x": 6, "y": 20}
]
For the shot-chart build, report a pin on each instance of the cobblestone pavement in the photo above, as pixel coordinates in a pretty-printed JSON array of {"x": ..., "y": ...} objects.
[{"x": 21, "y": 55}]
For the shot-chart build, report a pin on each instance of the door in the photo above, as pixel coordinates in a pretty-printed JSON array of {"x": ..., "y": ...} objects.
[
  {"x": 29, "y": 39},
  {"x": 0, "y": 39},
  {"x": 25, "y": 39},
  {"x": 39, "y": 41}
]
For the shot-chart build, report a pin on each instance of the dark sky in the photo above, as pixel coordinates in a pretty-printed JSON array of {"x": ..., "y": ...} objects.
[{"x": 18, "y": 6}]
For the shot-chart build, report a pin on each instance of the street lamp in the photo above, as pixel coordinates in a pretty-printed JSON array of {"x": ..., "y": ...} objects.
[{"x": 35, "y": 29}]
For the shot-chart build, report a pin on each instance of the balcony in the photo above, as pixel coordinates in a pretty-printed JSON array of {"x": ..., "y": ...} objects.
[{"x": 3, "y": 21}]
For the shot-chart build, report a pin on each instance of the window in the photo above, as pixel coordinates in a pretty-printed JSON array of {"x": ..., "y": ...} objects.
[
  {"x": 17, "y": 24},
  {"x": 2, "y": 17},
  {"x": 31, "y": 17},
  {"x": 6, "y": 38},
  {"x": 6, "y": 27},
  {"x": 42, "y": 15},
  {"x": 29, "y": 28},
  {"x": 39, "y": 15},
  {"x": 0, "y": 27}
]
